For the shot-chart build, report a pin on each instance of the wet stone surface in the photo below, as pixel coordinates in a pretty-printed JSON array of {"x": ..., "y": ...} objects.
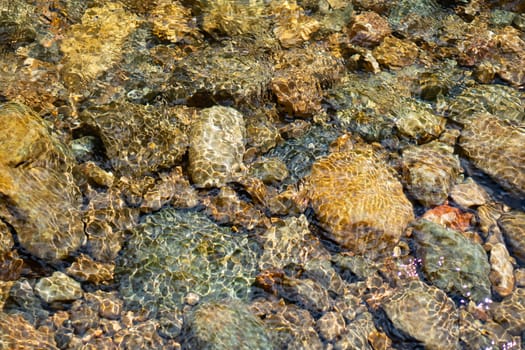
[
  {"x": 358, "y": 201},
  {"x": 246, "y": 174},
  {"x": 175, "y": 252}
]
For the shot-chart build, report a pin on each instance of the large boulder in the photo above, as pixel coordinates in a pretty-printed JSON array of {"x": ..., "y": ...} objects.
[
  {"x": 359, "y": 201},
  {"x": 40, "y": 200}
]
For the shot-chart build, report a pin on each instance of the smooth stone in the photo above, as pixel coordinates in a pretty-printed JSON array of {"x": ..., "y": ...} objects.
[
  {"x": 58, "y": 287},
  {"x": 224, "y": 325},
  {"x": 513, "y": 228},
  {"x": 216, "y": 146},
  {"x": 452, "y": 262},
  {"x": 495, "y": 147},
  {"x": 469, "y": 194},
  {"x": 502, "y": 272}
]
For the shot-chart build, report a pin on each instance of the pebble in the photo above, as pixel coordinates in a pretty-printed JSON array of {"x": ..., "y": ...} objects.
[{"x": 58, "y": 287}]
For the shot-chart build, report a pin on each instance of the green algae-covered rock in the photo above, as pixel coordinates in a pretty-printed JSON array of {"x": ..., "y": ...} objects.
[
  {"x": 451, "y": 261},
  {"x": 224, "y": 325},
  {"x": 39, "y": 197},
  {"x": 216, "y": 146},
  {"x": 175, "y": 252}
]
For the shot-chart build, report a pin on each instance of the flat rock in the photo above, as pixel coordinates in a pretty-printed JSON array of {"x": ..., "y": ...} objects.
[
  {"x": 469, "y": 194},
  {"x": 172, "y": 253},
  {"x": 425, "y": 313},
  {"x": 359, "y": 201},
  {"x": 17, "y": 333},
  {"x": 509, "y": 312},
  {"x": 58, "y": 287},
  {"x": 138, "y": 139},
  {"x": 40, "y": 198},
  {"x": 430, "y": 171},
  {"x": 495, "y": 147},
  {"x": 513, "y": 226}
]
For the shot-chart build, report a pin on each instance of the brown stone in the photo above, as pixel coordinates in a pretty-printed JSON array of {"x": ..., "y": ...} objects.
[
  {"x": 368, "y": 29},
  {"x": 359, "y": 201},
  {"x": 40, "y": 199},
  {"x": 501, "y": 274},
  {"x": 395, "y": 53},
  {"x": 495, "y": 146},
  {"x": 87, "y": 270},
  {"x": 17, "y": 333}
]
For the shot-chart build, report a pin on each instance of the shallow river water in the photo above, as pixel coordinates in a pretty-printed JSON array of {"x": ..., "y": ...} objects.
[{"x": 262, "y": 174}]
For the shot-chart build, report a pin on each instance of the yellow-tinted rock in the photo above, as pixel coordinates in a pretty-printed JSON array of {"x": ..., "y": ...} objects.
[
  {"x": 17, "y": 333},
  {"x": 93, "y": 46},
  {"x": 171, "y": 21},
  {"x": 358, "y": 200},
  {"x": 293, "y": 26},
  {"x": 395, "y": 53},
  {"x": 40, "y": 199}
]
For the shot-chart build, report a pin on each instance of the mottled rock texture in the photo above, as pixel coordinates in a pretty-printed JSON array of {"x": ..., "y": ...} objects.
[
  {"x": 513, "y": 227},
  {"x": 39, "y": 197},
  {"x": 451, "y": 261},
  {"x": 358, "y": 200},
  {"x": 496, "y": 147},
  {"x": 216, "y": 146},
  {"x": 429, "y": 171},
  {"x": 425, "y": 313},
  {"x": 138, "y": 139},
  {"x": 93, "y": 46},
  {"x": 175, "y": 252},
  {"x": 223, "y": 325}
]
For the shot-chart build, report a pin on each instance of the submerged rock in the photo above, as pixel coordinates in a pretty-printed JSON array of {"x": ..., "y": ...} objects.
[
  {"x": 137, "y": 139},
  {"x": 220, "y": 75},
  {"x": 58, "y": 287},
  {"x": 368, "y": 29},
  {"x": 359, "y": 201},
  {"x": 426, "y": 314},
  {"x": 224, "y": 325},
  {"x": 290, "y": 242},
  {"x": 95, "y": 45},
  {"x": 509, "y": 312},
  {"x": 300, "y": 75},
  {"x": 499, "y": 100},
  {"x": 175, "y": 252},
  {"x": 496, "y": 147},
  {"x": 430, "y": 171},
  {"x": 216, "y": 146},
  {"x": 469, "y": 194},
  {"x": 513, "y": 226},
  {"x": 288, "y": 326},
  {"x": 17, "y": 333},
  {"x": 452, "y": 262},
  {"x": 40, "y": 199}
]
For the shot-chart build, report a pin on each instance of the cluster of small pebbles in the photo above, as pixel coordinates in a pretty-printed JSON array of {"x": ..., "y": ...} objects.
[{"x": 262, "y": 174}]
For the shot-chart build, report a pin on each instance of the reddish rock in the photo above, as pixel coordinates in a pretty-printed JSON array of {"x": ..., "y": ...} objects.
[{"x": 368, "y": 29}]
